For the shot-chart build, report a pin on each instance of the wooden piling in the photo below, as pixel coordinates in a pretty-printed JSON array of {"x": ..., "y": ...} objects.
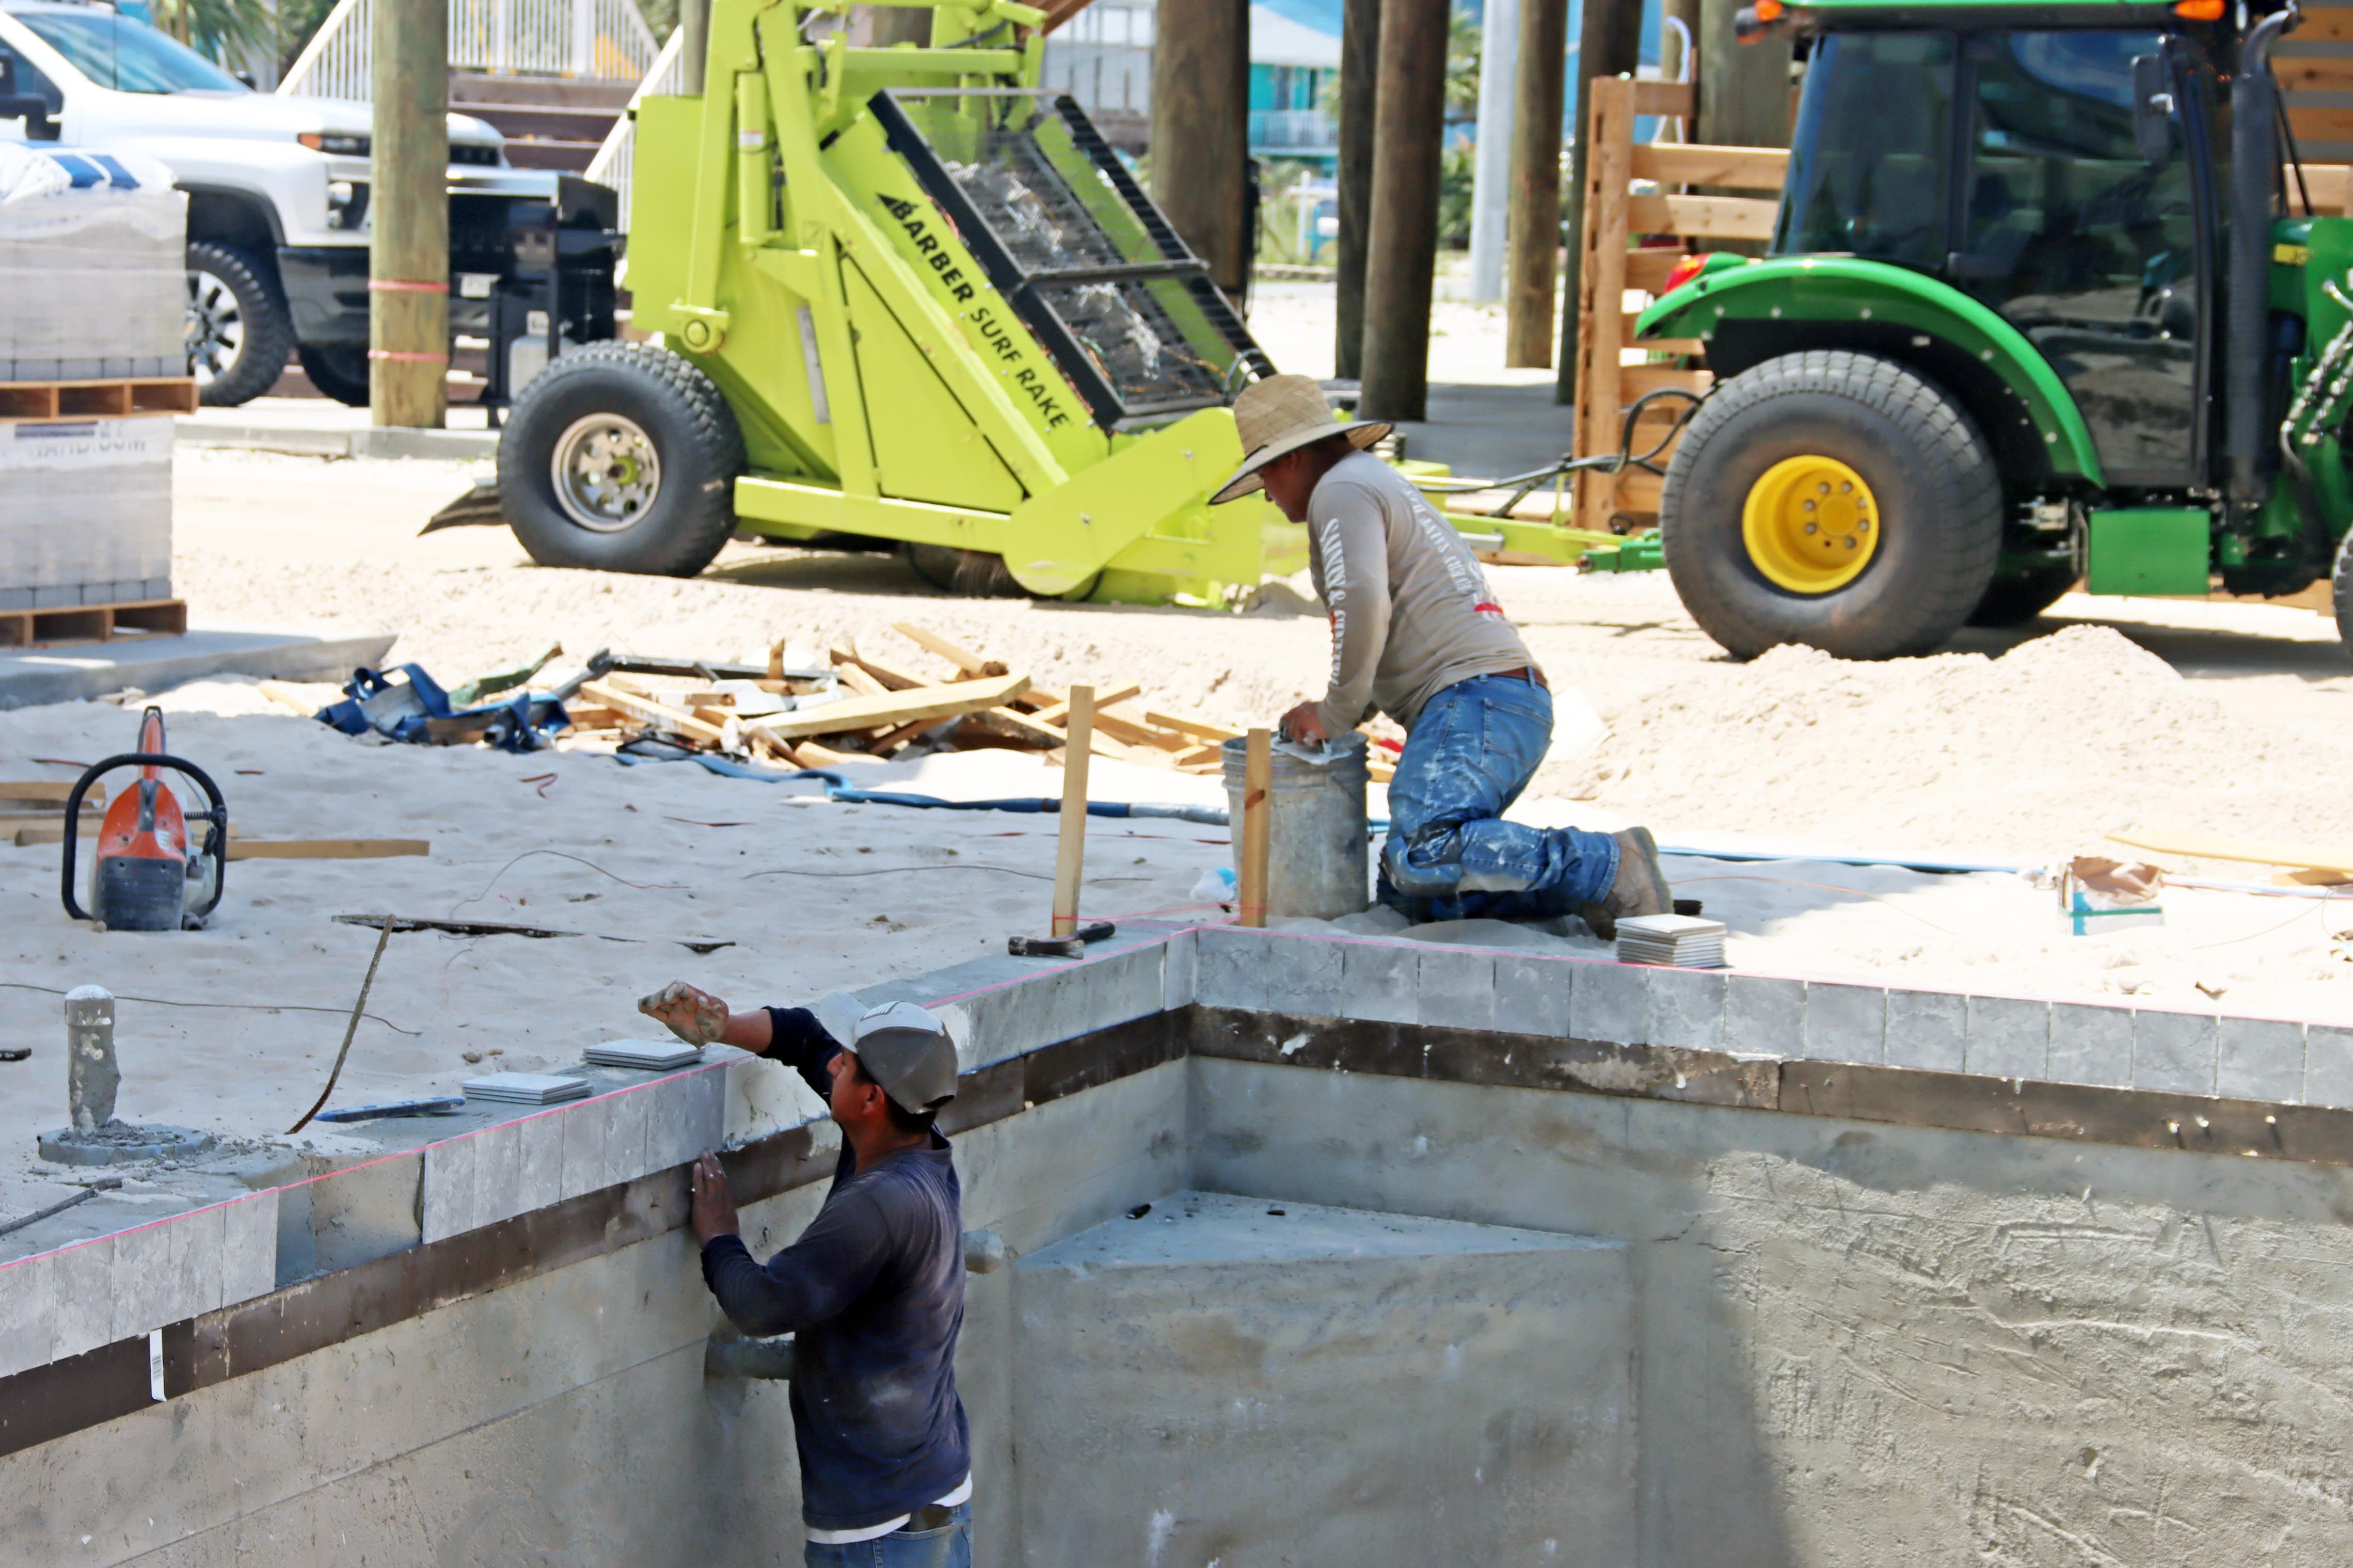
[
  {"x": 1258, "y": 812},
  {"x": 1532, "y": 264},
  {"x": 409, "y": 214},
  {"x": 1410, "y": 125},
  {"x": 1360, "y": 59},
  {"x": 1610, "y": 43},
  {"x": 1200, "y": 130},
  {"x": 1069, "y": 848}
]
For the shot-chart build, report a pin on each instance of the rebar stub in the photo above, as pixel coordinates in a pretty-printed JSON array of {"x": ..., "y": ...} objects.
[{"x": 122, "y": 1143}]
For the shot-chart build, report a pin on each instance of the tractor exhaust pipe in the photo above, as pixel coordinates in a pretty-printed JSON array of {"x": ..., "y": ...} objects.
[{"x": 2255, "y": 171}]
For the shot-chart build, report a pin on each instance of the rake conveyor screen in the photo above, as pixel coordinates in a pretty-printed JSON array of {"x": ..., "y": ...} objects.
[{"x": 1068, "y": 236}]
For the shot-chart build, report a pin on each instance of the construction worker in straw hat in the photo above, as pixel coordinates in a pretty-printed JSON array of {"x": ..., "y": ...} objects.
[{"x": 1417, "y": 633}]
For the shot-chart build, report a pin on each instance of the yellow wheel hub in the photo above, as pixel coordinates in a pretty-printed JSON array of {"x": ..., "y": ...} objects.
[{"x": 1810, "y": 525}]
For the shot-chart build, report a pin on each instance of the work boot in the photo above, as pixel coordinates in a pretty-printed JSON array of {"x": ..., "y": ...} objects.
[{"x": 1640, "y": 888}]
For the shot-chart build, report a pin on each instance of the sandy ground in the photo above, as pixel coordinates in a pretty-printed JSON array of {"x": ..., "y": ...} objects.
[{"x": 2020, "y": 749}]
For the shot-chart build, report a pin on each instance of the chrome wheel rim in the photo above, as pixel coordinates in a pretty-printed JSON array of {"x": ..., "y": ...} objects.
[
  {"x": 605, "y": 471},
  {"x": 215, "y": 328}
]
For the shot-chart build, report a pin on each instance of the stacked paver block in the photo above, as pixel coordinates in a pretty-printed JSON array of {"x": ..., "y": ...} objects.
[{"x": 93, "y": 287}]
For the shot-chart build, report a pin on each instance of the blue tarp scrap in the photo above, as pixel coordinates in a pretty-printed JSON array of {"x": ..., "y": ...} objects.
[{"x": 398, "y": 709}]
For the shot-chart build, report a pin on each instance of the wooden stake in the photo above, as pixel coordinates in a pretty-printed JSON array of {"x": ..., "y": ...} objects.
[
  {"x": 1071, "y": 851},
  {"x": 1258, "y": 808},
  {"x": 409, "y": 213}
]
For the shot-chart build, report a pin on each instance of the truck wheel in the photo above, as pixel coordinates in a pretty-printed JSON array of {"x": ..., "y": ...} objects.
[
  {"x": 340, "y": 371},
  {"x": 621, "y": 458},
  {"x": 1835, "y": 500},
  {"x": 2018, "y": 598},
  {"x": 239, "y": 331}
]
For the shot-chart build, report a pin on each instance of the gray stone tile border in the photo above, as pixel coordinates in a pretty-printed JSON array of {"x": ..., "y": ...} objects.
[
  {"x": 2175, "y": 1051},
  {"x": 2260, "y": 1059},
  {"x": 1610, "y": 1002},
  {"x": 1926, "y": 1030},
  {"x": 2091, "y": 1044},
  {"x": 1686, "y": 1008},
  {"x": 2010, "y": 1036}
]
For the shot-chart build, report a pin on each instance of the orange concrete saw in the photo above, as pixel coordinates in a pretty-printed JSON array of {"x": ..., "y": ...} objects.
[{"x": 148, "y": 874}]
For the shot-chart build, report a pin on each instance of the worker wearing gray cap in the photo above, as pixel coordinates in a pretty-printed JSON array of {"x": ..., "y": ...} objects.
[{"x": 872, "y": 1292}]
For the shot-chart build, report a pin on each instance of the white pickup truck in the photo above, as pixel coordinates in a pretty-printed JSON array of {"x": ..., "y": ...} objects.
[{"x": 278, "y": 192}]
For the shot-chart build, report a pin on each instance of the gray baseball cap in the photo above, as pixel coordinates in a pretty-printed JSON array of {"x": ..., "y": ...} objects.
[{"x": 906, "y": 1049}]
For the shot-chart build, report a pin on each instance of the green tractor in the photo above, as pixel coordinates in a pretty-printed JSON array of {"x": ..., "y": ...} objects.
[{"x": 2046, "y": 302}]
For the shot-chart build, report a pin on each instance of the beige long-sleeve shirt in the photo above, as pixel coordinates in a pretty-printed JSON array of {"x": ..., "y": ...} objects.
[{"x": 1411, "y": 613}]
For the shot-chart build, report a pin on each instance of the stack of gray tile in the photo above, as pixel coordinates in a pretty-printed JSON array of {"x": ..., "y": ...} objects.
[{"x": 93, "y": 287}]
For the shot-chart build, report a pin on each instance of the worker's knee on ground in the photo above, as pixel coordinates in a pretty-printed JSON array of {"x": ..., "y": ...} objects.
[{"x": 1422, "y": 863}]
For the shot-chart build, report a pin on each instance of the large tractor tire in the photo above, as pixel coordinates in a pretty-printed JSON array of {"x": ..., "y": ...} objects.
[
  {"x": 239, "y": 331},
  {"x": 2017, "y": 598},
  {"x": 621, "y": 458},
  {"x": 1835, "y": 500}
]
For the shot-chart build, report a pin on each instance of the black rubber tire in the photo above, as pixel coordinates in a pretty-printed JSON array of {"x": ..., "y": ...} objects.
[
  {"x": 266, "y": 326},
  {"x": 338, "y": 370},
  {"x": 1939, "y": 500},
  {"x": 2017, "y": 598},
  {"x": 696, "y": 439}
]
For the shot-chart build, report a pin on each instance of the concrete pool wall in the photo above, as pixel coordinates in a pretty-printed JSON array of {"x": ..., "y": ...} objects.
[{"x": 1657, "y": 1266}]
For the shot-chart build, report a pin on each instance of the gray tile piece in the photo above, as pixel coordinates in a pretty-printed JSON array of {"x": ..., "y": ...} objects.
[
  {"x": 452, "y": 1172},
  {"x": 2327, "y": 1065},
  {"x": 625, "y": 1134},
  {"x": 1179, "y": 957},
  {"x": 1227, "y": 968},
  {"x": 2010, "y": 1036},
  {"x": 248, "y": 1248},
  {"x": 2174, "y": 1051},
  {"x": 1926, "y": 1030},
  {"x": 584, "y": 1125},
  {"x": 145, "y": 1286},
  {"x": 539, "y": 1160},
  {"x": 28, "y": 1308},
  {"x": 2091, "y": 1044},
  {"x": 1688, "y": 1008},
  {"x": 1532, "y": 995},
  {"x": 498, "y": 1166},
  {"x": 1845, "y": 1023},
  {"x": 1457, "y": 988},
  {"x": 83, "y": 1275},
  {"x": 1380, "y": 981},
  {"x": 1610, "y": 1002},
  {"x": 2260, "y": 1058},
  {"x": 1763, "y": 1015},
  {"x": 197, "y": 1239},
  {"x": 685, "y": 1117}
]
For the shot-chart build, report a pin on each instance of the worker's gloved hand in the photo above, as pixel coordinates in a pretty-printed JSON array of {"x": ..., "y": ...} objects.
[{"x": 693, "y": 1015}]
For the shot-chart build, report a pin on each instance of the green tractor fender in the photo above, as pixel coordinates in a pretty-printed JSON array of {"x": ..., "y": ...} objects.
[{"x": 1748, "y": 311}]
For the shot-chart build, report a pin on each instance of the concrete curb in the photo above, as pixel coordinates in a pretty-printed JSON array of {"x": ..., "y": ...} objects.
[
  {"x": 79, "y": 672},
  {"x": 457, "y": 446}
]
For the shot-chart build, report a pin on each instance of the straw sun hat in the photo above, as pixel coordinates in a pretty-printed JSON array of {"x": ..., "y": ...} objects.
[{"x": 1279, "y": 415}]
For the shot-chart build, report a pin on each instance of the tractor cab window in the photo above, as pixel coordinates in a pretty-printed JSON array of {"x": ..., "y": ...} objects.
[
  {"x": 2083, "y": 242},
  {"x": 1868, "y": 156}
]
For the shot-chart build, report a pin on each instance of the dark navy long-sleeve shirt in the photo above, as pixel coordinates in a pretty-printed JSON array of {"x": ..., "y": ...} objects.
[{"x": 873, "y": 1293}]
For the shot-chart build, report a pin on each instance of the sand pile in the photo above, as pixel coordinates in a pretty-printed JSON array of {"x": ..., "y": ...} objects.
[{"x": 2031, "y": 756}]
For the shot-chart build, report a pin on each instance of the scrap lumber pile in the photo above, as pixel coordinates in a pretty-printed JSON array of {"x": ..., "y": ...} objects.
[{"x": 865, "y": 708}]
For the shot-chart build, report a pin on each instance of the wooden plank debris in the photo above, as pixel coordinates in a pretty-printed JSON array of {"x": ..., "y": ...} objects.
[{"x": 2255, "y": 851}]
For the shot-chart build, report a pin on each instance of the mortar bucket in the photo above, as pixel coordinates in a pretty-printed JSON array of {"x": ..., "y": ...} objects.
[{"x": 1316, "y": 849}]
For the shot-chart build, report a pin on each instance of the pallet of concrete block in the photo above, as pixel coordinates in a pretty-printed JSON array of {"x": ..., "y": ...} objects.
[{"x": 93, "y": 365}]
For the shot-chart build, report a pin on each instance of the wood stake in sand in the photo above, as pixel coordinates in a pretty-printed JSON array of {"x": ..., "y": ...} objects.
[
  {"x": 1258, "y": 786},
  {"x": 1070, "y": 848}
]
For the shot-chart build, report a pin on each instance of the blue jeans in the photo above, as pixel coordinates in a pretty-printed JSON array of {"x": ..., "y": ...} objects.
[
  {"x": 1450, "y": 854},
  {"x": 950, "y": 1546}
]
